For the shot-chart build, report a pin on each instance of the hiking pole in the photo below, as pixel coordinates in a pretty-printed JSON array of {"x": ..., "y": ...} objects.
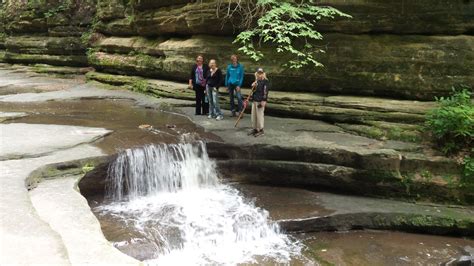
[{"x": 245, "y": 106}]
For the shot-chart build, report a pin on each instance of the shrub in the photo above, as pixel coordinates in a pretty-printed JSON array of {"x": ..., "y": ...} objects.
[
  {"x": 468, "y": 169},
  {"x": 140, "y": 86},
  {"x": 452, "y": 123}
]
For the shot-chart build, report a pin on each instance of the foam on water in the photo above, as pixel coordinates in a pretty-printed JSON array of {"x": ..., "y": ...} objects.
[{"x": 172, "y": 195}]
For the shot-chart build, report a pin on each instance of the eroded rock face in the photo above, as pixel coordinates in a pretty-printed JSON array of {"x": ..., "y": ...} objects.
[
  {"x": 412, "y": 67},
  {"x": 45, "y": 45},
  {"x": 43, "y": 31},
  {"x": 195, "y": 18},
  {"x": 181, "y": 17},
  {"x": 402, "y": 49},
  {"x": 450, "y": 17}
]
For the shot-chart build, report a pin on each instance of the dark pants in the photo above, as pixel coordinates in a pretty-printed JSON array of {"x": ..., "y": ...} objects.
[
  {"x": 233, "y": 91},
  {"x": 201, "y": 106}
]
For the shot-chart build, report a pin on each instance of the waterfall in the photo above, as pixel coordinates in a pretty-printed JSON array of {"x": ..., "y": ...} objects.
[
  {"x": 172, "y": 197},
  {"x": 160, "y": 168}
]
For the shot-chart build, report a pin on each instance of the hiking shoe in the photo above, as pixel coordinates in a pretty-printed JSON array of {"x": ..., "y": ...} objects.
[
  {"x": 252, "y": 132},
  {"x": 259, "y": 133},
  {"x": 219, "y": 117}
]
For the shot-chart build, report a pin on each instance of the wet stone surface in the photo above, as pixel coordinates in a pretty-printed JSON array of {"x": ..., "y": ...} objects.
[
  {"x": 285, "y": 203},
  {"x": 382, "y": 248},
  {"x": 121, "y": 116}
]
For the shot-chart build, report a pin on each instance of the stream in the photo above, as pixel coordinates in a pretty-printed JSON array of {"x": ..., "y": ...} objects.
[{"x": 175, "y": 208}]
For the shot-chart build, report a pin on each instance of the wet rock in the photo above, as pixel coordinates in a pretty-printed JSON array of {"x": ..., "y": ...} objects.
[
  {"x": 467, "y": 259},
  {"x": 420, "y": 223}
]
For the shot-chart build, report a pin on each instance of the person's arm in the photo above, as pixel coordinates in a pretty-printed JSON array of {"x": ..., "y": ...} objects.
[
  {"x": 241, "y": 78},
  {"x": 219, "y": 78},
  {"x": 191, "y": 78},
  {"x": 227, "y": 77},
  {"x": 266, "y": 87}
]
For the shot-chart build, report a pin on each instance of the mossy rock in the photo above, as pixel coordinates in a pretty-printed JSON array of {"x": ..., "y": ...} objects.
[
  {"x": 385, "y": 130},
  {"x": 410, "y": 17},
  {"x": 117, "y": 27},
  {"x": 45, "y": 45},
  {"x": 57, "y": 60},
  {"x": 390, "y": 69},
  {"x": 182, "y": 20},
  {"x": 117, "y": 80},
  {"x": 152, "y": 4},
  {"x": 2, "y": 56}
]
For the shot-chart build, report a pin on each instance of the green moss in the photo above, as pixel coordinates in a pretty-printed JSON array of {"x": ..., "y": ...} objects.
[
  {"x": 125, "y": 64},
  {"x": 87, "y": 168},
  {"x": 382, "y": 131},
  {"x": 141, "y": 86},
  {"x": 366, "y": 131},
  {"x": 117, "y": 80},
  {"x": 59, "y": 60},
  {"x": 408, "y": 180},
  {"x": 427, "y": 176}
]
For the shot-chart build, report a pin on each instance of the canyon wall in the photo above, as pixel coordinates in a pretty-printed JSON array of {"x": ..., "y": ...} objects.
[{"x": 390, "y": 48}]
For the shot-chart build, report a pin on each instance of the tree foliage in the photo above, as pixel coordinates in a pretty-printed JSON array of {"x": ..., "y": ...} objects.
[{"x": 288, "y": 27}]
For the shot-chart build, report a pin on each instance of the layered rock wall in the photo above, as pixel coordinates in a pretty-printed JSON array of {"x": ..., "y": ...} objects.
[
  {"x": 402, "y": 49},
  {"x": 396, "y": 48},
  {"x": 47, "y": 31}
]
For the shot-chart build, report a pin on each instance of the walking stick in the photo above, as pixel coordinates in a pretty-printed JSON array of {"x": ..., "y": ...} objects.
[{"x": 245, "y": 106}]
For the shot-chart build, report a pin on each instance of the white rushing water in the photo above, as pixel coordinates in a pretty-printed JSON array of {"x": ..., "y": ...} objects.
[{"x": 172, "y": 196}]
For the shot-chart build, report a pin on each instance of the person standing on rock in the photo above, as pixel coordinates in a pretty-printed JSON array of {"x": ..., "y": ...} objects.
[
  {"x": 233, "y": 81},
  {"x": 197, "y": 82},
  {"x": 259, "y": 101},
  {"x": 213, "y": 81}
]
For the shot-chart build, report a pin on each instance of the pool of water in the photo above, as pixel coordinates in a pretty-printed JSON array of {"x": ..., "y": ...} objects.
[
  {"x": 121, "y": 116},
  {"x": 382, "y": 248},
  {"x": 324, "y": 248}
]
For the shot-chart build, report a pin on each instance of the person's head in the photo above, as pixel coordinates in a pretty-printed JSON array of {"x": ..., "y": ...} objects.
[
  {"x": 212, "y": 63},
  {"x": 199, "y": 60},
  {"x": 234, "y": 59},
  {"x": 260, "y": 74}
]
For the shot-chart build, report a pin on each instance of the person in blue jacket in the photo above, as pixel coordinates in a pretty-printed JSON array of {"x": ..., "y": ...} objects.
[{"x": 233, "y": 81}]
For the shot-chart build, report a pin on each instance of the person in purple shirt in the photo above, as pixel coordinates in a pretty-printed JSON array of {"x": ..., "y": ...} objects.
[{"x": 197, "y": 82}]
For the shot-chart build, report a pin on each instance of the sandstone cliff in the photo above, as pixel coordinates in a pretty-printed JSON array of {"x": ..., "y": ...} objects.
[{"x": 401, "y": 49}]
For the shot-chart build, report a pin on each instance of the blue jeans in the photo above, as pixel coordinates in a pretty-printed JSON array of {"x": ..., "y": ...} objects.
[
  {"x": 232, "y": 91},
  {"x": 213, "y": 96}
]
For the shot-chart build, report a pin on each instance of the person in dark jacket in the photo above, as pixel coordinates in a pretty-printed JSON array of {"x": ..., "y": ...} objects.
[
  {"x": 214, "y": 81},
  {"x": 233, "y": 81},
  {"x": 197, "y": 82},
  {"x": 259, "y": 101}
]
